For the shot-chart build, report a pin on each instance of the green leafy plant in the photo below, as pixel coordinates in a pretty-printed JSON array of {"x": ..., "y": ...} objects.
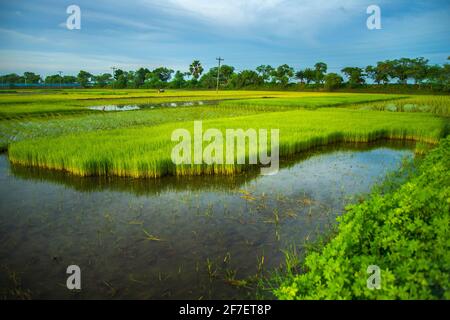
[{"x": 405, "y": 232}]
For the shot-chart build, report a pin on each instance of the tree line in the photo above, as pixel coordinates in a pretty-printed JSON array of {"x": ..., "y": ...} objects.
[{"x": 403, "y": 71}]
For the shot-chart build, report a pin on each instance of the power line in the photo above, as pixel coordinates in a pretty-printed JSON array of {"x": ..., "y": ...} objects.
[
  {"x": 218, "y": 72},
  {"x": 114, "y": 71},
  {"x": 60, "y": 78}
]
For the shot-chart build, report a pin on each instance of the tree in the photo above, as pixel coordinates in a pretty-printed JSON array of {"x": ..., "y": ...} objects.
[
  {"x": 400, "y": 69},
  {"x": 84, "y": 78},
  {"x": 118, "y": 73},
  {"x": 355, "y": 76},
  {"x": 372, "y": 73},
  {"x": 246, "y": 78},
  {"x": 320, "y": 68},
  {"x": 52, "y": 79},
  {"x": 12, "y": 78},
  {"x": 265, "y": 72},
  {"x": 130, "y": 77},
  {"x": 103, "y": 79},
  {"x": 196, "y": 69},
  {"x": 283, "y": 74},
  {"x": 433, "y": 74},
  {"x": 209, "y": 79},
  {"x": 439, "y": 76},
  {"x": 164, "y": 74},
  {"x": 310, "y": 75},
  {"x": 152, "y": 80},
  {"x": 121, "y": 80},
  {"x": 333, "y": 81},
  {"x": 418, "y": 70},
  {"x": 300, "y": 75},
  {"x": 69, "y": 79},
  {"x": 445, "y": 75},
  {"x": 31, "y": 77},
  {"x": 139, "y": 78},
  {"x": 225, "y": 72},
  {"x": 178, "y": 80},
  {"x": 384, "y": 70}
]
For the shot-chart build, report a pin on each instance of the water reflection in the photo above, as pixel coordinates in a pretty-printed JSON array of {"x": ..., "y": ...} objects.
[
  {"x": 131, "y": 107},
  {"x": 172, "y": 237}
]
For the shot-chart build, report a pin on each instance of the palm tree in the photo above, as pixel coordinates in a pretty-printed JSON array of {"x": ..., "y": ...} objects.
[
  {"x": 321, "y": 69},
  {"x": 196, "y": 69}
]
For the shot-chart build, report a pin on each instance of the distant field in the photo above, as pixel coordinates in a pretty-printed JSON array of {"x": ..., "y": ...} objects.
[
  {"x": 432, "y": 104},
  {"x": 314, "y": 100},
  {"x": 56, "y": 130},
  {"x": 26, "y": 103},
  {"x": 29, "y": 103}
]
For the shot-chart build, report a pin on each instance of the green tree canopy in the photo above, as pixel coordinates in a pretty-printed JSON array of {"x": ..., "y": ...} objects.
[
  {"x": 196, "y": 69},
  {"x": 333, "y": 81}
]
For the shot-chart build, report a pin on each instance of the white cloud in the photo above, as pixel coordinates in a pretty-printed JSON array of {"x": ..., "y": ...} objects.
[
  {"x": 282, "y": 18},
  {"x": 50, "y": 62},
  {"x": 120, "y": 20},
  {"x": 20, "y": 36}
]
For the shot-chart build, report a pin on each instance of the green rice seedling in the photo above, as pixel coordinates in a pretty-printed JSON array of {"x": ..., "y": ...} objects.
[
  {"x": 439, "y": 105},
  {"x": 230, "y": 278},
  {"x": 311, "y": 101},
  {"x": 34, "y": 103},
  {"x": 30, "y": 128},
  {"x": 145, "y": 151},
  {"x": 291, "y": 260},
  {"x": 227, "y": 258},
  {"x": 212, "y": 271},
  {"x": 150, "y": 237},
  {"x": 260, "y": 265}
]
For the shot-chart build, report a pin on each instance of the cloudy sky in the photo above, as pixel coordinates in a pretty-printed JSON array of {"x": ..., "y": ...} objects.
[{"x": 247, "y": 33}]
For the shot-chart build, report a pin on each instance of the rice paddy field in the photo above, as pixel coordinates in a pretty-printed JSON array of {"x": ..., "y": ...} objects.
[{"x": 87, "y": 178}]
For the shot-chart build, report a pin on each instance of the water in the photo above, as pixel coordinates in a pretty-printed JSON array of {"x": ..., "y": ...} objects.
[
  {"x": 210, "y": 230},
  {"x": 131, "y": 107}
]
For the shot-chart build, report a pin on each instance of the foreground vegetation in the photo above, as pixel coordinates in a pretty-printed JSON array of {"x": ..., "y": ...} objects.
[{"x": 404, "y": 232}]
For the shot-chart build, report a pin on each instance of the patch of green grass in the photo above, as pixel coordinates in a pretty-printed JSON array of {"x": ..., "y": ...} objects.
[
  {"x": 313, "y": 100},
  {"x": 37, "y": 103},
  {"x": 15, "y": 130},
  {"x": 403, "y": 231},
  {"x": 432, "y": 104},
  {"x": 146, "y": 151},
  {"x": 34, "y": 103}
]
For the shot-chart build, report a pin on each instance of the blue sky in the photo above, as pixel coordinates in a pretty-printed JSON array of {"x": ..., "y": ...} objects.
[{"x": 247, "y": 33}]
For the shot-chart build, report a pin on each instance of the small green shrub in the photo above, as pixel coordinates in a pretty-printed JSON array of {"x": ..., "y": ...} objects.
[{"x": 405, "y": 232}]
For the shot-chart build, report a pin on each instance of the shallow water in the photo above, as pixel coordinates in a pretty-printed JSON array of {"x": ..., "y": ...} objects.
[
  {"x": 131, "y": 107},
  {"x": 49, "y": 221}
]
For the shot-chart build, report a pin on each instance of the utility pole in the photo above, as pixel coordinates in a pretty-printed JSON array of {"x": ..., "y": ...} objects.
[
  {"x": 114, "y": 72},
  {"x": 218, "y": 72},
  {"x": 60, "y": 78}
]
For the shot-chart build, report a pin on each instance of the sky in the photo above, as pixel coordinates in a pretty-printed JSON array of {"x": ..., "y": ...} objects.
[{"x": 246, "y": 33}]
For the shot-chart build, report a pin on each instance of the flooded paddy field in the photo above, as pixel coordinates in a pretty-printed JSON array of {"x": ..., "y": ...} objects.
[
  {"x": 131, "y": 107},
  {"x": 174, "y": 238}
]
